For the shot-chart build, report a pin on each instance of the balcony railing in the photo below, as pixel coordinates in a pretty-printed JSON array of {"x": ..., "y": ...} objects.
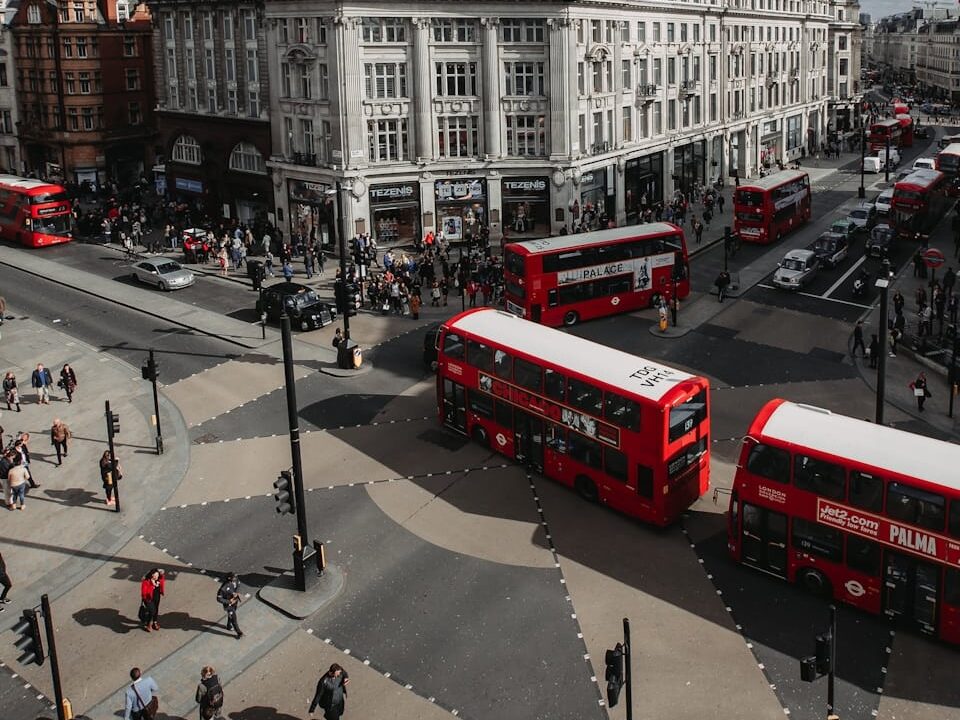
[
  {"x": 599, "y": 147},
  {"x": 648, "y": 90},
  {"x": 303, "y": 159}
]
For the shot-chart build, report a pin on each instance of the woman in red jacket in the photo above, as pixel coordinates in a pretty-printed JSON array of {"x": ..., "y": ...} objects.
[{"x": 151, "y": 590}]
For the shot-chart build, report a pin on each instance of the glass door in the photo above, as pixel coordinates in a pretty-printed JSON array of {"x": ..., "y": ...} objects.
[
  {"x": 528, "y": 439},
  {"x": 911, "y": 588},
  {"x": 454, "y": 405},
  {"x": 763, "y": 541}
]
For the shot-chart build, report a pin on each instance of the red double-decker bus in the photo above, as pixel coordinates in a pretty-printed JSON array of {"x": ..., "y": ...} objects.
[
  {"x": 34, "y": 213},
  {"x": 948, "y": 160},
  {"x": 882, "y": 130},
  {"x": 852, "y": 510},
  {"x": 906, "y": 129},
  {"x": 621, "y": 430},
  {"x": 769, "y": 207},
  {"x": 563, "y": 280},
  {"x": 919, "y": 202}
]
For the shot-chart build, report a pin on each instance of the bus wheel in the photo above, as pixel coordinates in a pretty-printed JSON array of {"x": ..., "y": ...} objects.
[
  {"x": 779, "y": 237},
  {"x": 586, "y": 488},
  {"x": 570, "y": 318},
  {"x": 655, "y": 300},
  {"x": 479, "y": 436},
  {"x": 814, "y": 582}
]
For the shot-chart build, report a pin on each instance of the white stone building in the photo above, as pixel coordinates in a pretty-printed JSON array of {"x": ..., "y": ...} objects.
[
  {"x": 895, "y": 43},
  {"x": 937, "y": 60},
  {"x": 521, "y": 114},
  {"x": 9, "y": 117}
]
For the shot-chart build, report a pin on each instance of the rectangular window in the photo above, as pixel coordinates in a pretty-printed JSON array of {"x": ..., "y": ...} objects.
[
  {"x": 134, "y": 114},
  {"x": 306, "y": 133},
  {"x": 230, "y": 65},
  {"x": 249, "y": 25},
  {"x": 656, "y": 32},
  {"x": 916, "y": 507},
  {"x": 657, "y": 71},
  {"x": 584, "y": 450},
  {"x": 68, "y": 47},
  {"x": 769, "y": 462},
  {"x": 253, "y": 103},
  {"x": 232, "y": 106},
  {"x": 208, "y": 26},
  {"x": 84, "y": 83},
  {"x": 641, "y": 32},
  {"x": 523, "y": 78},
  {"x": 658, "y": 118},
  {"x": 129, "y": 46},
  {"x": 671, "y": 114},
  {"x": 286, "y": 80},
  {"x": 228, "y": 26},
  {"x": 454, "y": 78},
  {"x": 584, "y": 396},
  {"x": 621, "y": 411},
  {"x": 526, "y": 135},
  {"x": 384, "y": 30},
  {"x": 626, "y": 74},
  {"x": 670, "y": 32},
  {"x": 528, "y": 375},
  {"x": 479, "y": 404},
  {"x": 70, "y": 83},
  {"x": 449, "y": 31},
  {"x": 554, "y": 385},
  {"x": 87, "y": 118},
  {"x": 615, "y": 464},
  {"x": 816, "y": 539},
  {"x": 73, "y": 119},
  {"x": 133, "y": 79},
  {"x": 303, "y": 30},
  {"x": 521, "y": 30},
  {"x": 863, "y": 555},
  {"x": 304, "y": 83},
  {"x": 627, "y": 124},
  {"x": 819, "y": 476},
  {"x": 387, "y": 140},
  {"x": 954, "y": 528},
  {"x": 253, "y": 66},
  {"x": 480, "y": 355},
  {"x": 503, "y": 364},
  {"x": 458, "y": 136}
]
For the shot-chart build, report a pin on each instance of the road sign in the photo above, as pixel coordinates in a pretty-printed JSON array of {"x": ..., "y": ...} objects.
[{"x": 933, "y": 258}]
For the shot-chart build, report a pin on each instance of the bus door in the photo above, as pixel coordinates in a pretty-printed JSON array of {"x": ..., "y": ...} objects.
[
  {"x": 454, "y": 405},
  {"x": 528, "y": 439},
  {"x": 910, "y": 590},
  {"x": 763, "y": 542}
]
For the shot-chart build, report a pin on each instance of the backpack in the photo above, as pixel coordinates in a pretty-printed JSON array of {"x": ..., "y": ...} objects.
[
  {"x": 214, "y": 695},
  {"x": 222, "y": 596}
]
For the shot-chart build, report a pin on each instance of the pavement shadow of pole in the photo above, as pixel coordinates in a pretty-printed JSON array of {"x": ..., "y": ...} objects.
[{"x": 259, "y": 712}]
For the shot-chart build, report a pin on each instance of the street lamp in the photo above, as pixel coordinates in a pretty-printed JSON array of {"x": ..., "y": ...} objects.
[
  {"x": 346, "y": 348},
  {"x": 883, "y": 284},
  {"x": 862, "y": 191}
]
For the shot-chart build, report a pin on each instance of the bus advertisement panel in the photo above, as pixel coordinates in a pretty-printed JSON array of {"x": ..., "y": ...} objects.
[
  {"x": 882, "y": 131},
  {"x": 621, "y": 430},
  {"x": 769, "y": 207},
  {"x": 918, "y": 204},
  {"x": 853, "y": 510},
  {"x": 34, "y": 213},
  {"x": 567, "y": 279}
]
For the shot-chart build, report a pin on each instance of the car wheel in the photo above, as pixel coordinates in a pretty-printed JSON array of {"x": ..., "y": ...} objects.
[
  {"x": 134, "y": 277},
  {"x": 570, "y": 318},
  {"x": 163, "y": 286}
]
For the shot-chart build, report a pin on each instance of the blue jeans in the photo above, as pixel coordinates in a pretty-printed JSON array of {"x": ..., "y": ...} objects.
[{"x": 18, "y": 494}]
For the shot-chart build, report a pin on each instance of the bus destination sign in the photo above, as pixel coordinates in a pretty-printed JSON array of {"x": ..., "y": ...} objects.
[
  {"x": 882, "y": 530},
  {"x": 572, "y": 419}
]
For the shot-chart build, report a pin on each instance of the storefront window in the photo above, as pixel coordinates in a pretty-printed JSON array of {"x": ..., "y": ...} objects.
[
  {"x": 597, "y": 196},
  {"x": 461, "y": 208},
  {"x": 643, "y": 185},
  {"x": 395, "y": 213},
  {"x": 311, "y": 212},
  {"x": 689, "y": 165},
  {"x": 526, "y": 207}
]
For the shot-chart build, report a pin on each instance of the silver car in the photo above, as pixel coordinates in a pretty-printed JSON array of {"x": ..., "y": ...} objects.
[
  {"x": 796, "y": 269},
  {"x": 165, "y": 274}
]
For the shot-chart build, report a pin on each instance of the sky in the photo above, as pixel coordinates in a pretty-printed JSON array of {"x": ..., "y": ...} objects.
[{"x": 881, "y": 8}]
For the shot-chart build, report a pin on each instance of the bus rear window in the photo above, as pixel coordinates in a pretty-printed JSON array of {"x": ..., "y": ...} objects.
[
  {"x": 49, "y": 197},
  {"x": 749, "y": 197},
  {"x": 686, "y": 416},
  {"x": 514, "y": 263}
]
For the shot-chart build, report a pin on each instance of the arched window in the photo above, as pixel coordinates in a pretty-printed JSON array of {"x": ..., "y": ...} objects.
[
  {"x": 187, "y": 150},
  {"x": 246, "y": 158}
]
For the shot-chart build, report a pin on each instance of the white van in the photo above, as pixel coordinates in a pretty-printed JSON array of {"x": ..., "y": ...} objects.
[
  {"x": 924, "y": 163},
  {"x": 894, "y": 156},
  {"x": 872, "y": 164},
  {"x": 883, "y": 201}
]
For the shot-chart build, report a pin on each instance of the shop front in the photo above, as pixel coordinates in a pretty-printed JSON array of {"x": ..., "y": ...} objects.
[
  {"x": 598, "y": 199},
  {"x": 395, "y": 213},
  {"x": 461, "y": 207},
  {"x": 312, "y": 213},
  {"x": 526, "y": 207},
  {"x": 770, "y": 145},
  {"x": 643, "y": 185},
  {"x": 690, "y": 166}
]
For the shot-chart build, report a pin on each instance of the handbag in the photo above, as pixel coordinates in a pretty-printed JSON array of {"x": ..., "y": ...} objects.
[
  {"x": 919, "y": 392},
  {"x": 148, "y": 711}
]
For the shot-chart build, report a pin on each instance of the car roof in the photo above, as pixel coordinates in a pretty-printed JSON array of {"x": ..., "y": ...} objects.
[
  {"x": 288, "y": 288},
  {"x": 831, "y": 236},
  {"x": 843, "y": 221},
  {"x": 799, "y": 255},
  {"x": 157, "y": 262},
  {"x": 888, "y": 193}
]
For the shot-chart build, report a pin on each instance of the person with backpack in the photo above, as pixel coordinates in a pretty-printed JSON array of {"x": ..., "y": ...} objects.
[
  {"x": 209, "y": 694},
  {"x": 229, "y": 596}
]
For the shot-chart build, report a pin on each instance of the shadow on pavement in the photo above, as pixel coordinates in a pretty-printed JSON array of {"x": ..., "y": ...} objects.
[{"x": 259, "y": 712}]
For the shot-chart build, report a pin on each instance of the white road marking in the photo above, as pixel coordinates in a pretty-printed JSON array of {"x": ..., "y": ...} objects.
[
  {"x": 818, "y": 297},
  {"x": 843, "y": 277}
]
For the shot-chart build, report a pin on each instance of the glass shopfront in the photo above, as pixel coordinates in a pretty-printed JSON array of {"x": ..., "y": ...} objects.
[
  {"x": 643, "y": 185},
  {"x": 526, "y": 207},
  {"x": 690, "y": 166},
  {"x": 598, "y": 196},
  {"x": 395, "y": 214},
  {"x": 461, "y": 208},
  {"x": 312, "y": 213}
]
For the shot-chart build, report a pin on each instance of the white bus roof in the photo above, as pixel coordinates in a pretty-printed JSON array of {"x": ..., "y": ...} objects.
[
  {"x": 24, "y": 183},
  {"x": 599, "y": 237},
  {"x": 951, "y": 149},
  {"x": 921, "y": 178},
  {"x": 888, "y": 122},
  {"x": 772, "y": 181},
  {"x": 864, "y": 442},
  {"x": 645, "y": 378}
]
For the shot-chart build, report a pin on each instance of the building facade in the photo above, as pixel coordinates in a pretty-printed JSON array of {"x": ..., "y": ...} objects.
[
  {"x": 894, "y": 46},
  {"x": 843, "y": 68},
  {"x": 523, "y": 116},
  {"x": 9, "y": 143},
  {"x": 937, "y": 60},
  {"x": 84, "y": 90},
  {"x": 213, "y": 115}
]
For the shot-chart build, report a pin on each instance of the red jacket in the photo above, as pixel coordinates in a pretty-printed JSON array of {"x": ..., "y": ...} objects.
[{"x": 146, "y": 589}]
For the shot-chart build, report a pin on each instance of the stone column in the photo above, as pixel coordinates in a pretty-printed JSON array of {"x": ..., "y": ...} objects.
[
  {"x": 352, "y": 125},
  {"x": 563, "y": 90},
  {"x": 422, "y": 89},
  {"x": 491, "y": 86}
]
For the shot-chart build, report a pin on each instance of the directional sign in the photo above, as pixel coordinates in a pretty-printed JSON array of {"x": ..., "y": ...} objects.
[{"x": 933, "y": 258}]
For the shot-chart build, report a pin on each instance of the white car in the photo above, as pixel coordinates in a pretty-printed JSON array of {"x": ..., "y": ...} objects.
[
  {"x": 924, "y": 163},
  {"x": 883, "y": 202},
  {"x": 796, "y": 268},
  {"x": 165, "y": 274}
]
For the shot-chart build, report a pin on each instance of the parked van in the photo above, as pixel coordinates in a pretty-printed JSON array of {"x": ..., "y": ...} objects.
[
  {"x": 872, "y": 164},
  {"x": 894, "y": 156}
]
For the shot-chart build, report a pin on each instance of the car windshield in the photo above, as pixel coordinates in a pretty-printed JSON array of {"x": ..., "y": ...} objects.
[
  {"x": 791, "y": 264},
  {"x": 881, "y": 234},
  {"x": 859, "y": 214},
  {"x": 826, "y": 244},
  {"x": 839, "y": 227},
  {"x": 168, "y": 267}
]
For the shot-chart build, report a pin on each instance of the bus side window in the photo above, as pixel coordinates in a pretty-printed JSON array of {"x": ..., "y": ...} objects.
[
  {"x": 554, "y": 384},
  {"x": 865, "y": 491},
  {"x": 584, "y": 396},
  {"x": 480, "y": 355},
  {"x": 916, "y": 506},
  {"x": 556, "y": 438},
  {"x": 863, "y": 555},
  {"x": 453, "y": 346},
  {"x": 615, "y": 463},
  {"x": 769, "y": 462},
  {"x": 955, "y": 518},
  {"x": 951, "y": 587},
  {"x": 503, "y": 413},
  {"x": 645, "y": 481},
  {"x": 584, "y": 450},
  {"x": 820, "y": 477},
  {"x": 621, "y": 411},
  {"x": 503, "y": 364},
  {"x": 817, "y": 539},
  {"x": 528, "y": 375},
  {"x": 480, "y": 404},
  {"x": 552, "y": 298}
]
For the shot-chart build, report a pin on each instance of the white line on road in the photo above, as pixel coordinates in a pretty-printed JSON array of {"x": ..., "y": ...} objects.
[
  {"x": 765, "y": 286},
  {"x": 843, "y": 277}
]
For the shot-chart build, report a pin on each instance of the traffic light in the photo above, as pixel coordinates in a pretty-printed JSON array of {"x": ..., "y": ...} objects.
[
  {"x": 808, "y": 669},
  {"x": 338, "y": 295},
  {"x": 286, "y": 504},
  {"x": 614, "y": 675},
  {"x": 30, "y": 642},
  {"x": 113, "y": 424},
  {"x": 150, "y": 370},
  {"x": 824, "y": 656},
  {"x": 353, "y": 299}
]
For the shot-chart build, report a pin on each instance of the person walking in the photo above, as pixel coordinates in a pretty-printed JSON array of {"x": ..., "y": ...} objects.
[
  {"x": 858, "y": 339},
  {"x": 18, "y": 478},
  {"x": 68, "y": 381},
  {"x": 920, "y": 390},
  {"x": 874, "y": 351},
  {"x": 106, "y": 476},
  {"x": 287, "y": 271},
  {"x": 698, "y": 229},
  {"x": 151, "y": 590},
  {"x": 331, "y": 693},
  {"x": 209, "y": 695},
  {"x": 720, "y": 202},
  {"x": 5, "y": 582},
  {"x": 41, "y": 381},
  {"x": 722, "y": 282},
  {"x": 415, "y": 303},
  {"x": 142, "y": 697},
  {"x": 60, "y": 439},
  {"x": 229, "y": 596},
  {"x": 22, "y": 446},
  {"x": 308, "y": 259},
  {"x": 10, "y": 391}
]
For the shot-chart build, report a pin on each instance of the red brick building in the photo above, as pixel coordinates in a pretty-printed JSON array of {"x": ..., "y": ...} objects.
[{"x": 85, "y": 89}]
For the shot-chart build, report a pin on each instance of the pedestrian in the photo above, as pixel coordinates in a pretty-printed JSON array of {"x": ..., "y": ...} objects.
[
  {"x": 722, "y": 282},
  {"x": 698, "y": 229},
  {"x": 107, "y": 478},
  {"x": 68, "y": 381},
  {"x": 151, "y": 590},
  {"x": 229, "y": 596},
  {"x": 287, "y": 271},
  {"x": 720, "y": 202},
  {"x": 331, "y": 693},
  {"x": 858, "y": 339},
  {"x": 920, "y": 390},
  {"x": 142, "y": 698},
  {"x": 308, "y": 261},
  {"x": 435, "y": 294},
  {"x": 268, "y": 262},
  {"x": 874, "y": 350},
  {"x": 898, "y": 302},
  {"x": 415, "y": 303},
  {"x": 10, "y": 391},
  {"x": 209, "y": 695},
  {"x": 18, "y": 478},
  {"x": 337, "y": 338},
  {"x": 41, "y": 381},
  {"x": 22, "y": 446},
  {"x": 5, "y": 582},
  {"x": 60, "y": 439}
]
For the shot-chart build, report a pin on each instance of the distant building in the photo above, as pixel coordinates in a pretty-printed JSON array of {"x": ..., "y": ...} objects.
[
  {"x": 894, "y": 46},
  {"x": 9, "y": 143},
  {"x": 84, "y": 88}
]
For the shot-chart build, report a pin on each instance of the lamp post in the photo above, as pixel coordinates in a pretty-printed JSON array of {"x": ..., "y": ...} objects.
[
  {"x": 884, "y": 285},
  {"x": 862, "y": 191},
  {"x": 886, "y": 162}
]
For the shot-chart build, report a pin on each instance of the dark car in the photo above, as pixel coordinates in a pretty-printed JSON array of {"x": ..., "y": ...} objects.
[
  {"x": 830, "y": 249},
  {"x": 430, "y": 346},
  {"x": 880, "y": 240},
  {"x": 306, "y": 310},
  {"x": 923, "y": 133}
]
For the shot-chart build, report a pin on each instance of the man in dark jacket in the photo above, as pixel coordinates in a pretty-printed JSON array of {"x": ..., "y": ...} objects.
[
  {"x": 5, "y": 582},
  {"x": 41, "y": 380}
]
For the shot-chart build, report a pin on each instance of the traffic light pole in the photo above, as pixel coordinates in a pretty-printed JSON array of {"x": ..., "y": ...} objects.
[
  {"x": 886, "y": 162},
  {"x": 293, "y": 420},
  {"x": 833, "y": 662},
  {"x": 862, "y": 191},
  {"x": 52, "y": 652},
  {"x": 113, "y": 456},
  {"x": 628, "y": 674},
  {"x": 156, "y": 401},
  {"x": 884, "y": 285},
  {"x": 342, "y": 248}
]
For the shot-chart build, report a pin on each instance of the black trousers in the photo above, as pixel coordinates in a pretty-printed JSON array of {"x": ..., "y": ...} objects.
[
  {"x": 232, "y": 623},
  {"x": 6, "y": 583}
]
